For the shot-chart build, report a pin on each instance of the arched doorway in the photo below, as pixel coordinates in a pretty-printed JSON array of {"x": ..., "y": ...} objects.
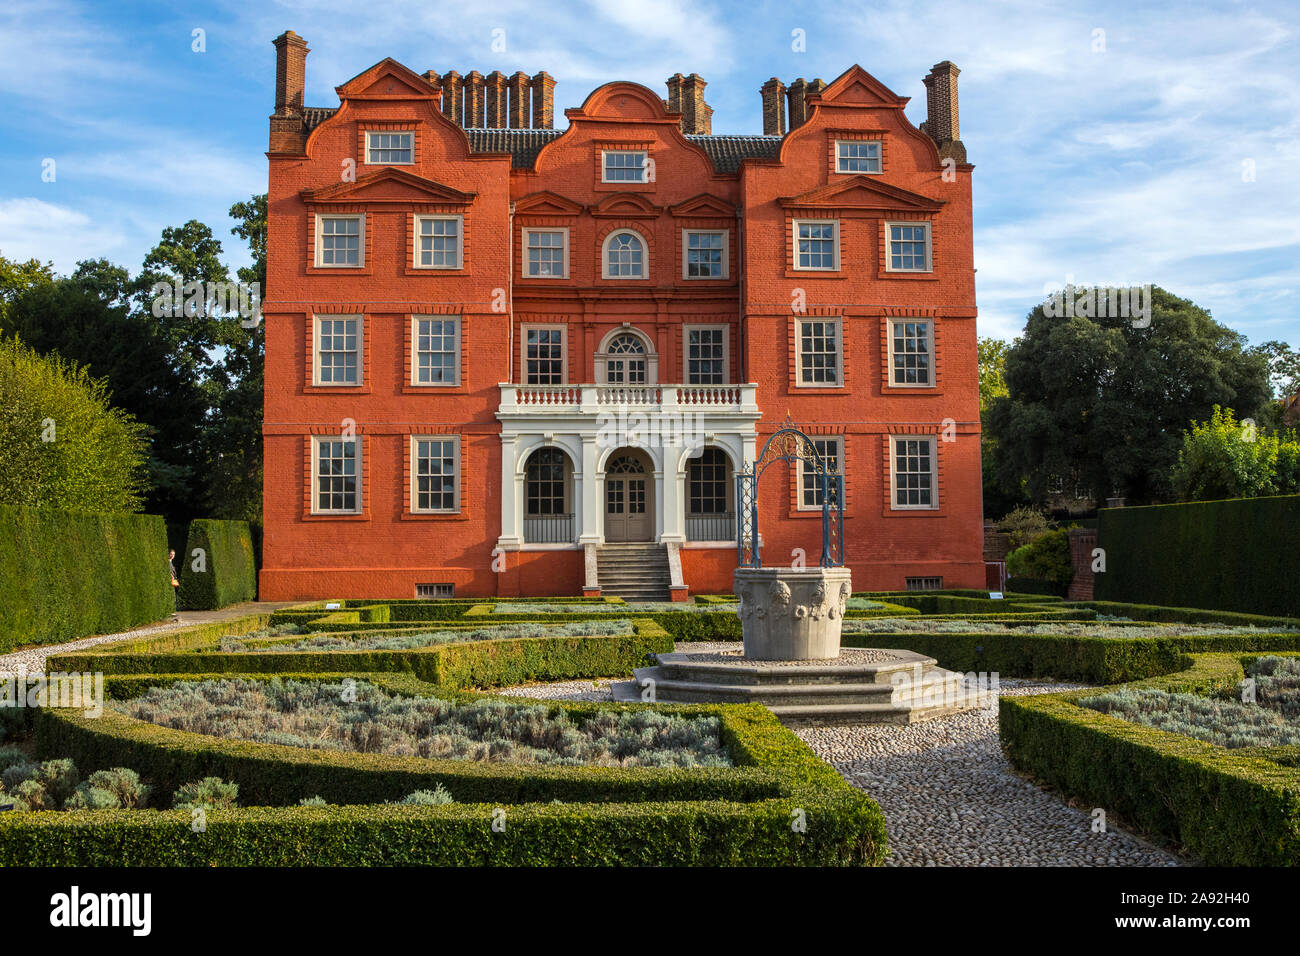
[
  {"x": 629, "y": 497},
  {"x": 548, "y": 497}
]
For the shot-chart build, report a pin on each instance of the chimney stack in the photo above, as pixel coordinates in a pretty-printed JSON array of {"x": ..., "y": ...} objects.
[
  {"x": 675, "y": 93},
  {"x": 518, "y": 86},
  {"x": 543, "y": 87},
  {"x": 941, "y": 122},
  {"x": 773, "y": 108},
  {"x": 697, "y": 115},
  {"x": 453, "y": 96},
  {"x": 495, "y": 87},
  {"x": 290, "y": 73},
  {"x": 798, "y": 109},
  {"x": 474, "y": 102}
]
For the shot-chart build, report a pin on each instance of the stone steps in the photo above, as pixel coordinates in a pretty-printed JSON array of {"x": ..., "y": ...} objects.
[
  {"x": 633, "y": 571},
  {"x": 906, "y": 688}
]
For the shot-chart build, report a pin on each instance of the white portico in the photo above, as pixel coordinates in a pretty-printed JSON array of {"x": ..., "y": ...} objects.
[{"x": 588, "y": 464}]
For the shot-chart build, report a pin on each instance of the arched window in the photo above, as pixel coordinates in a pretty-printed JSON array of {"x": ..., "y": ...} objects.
[
  {"x": 544, "y": 482},
  {"x": 627, "y": 357},
  {"x": 624, "y": 256},
  {"x": 625, "y": 465},
  {"x": 625, "y": 364},
  {"x": 547, "y": 518},
  {"x": 709, "y": 516}
]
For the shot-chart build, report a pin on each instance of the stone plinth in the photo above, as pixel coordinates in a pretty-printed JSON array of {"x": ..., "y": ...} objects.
[{"x": 792, "y": 615}]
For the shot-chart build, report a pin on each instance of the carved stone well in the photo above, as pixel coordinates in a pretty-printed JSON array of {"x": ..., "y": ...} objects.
[{"x": 789, "y": 614}]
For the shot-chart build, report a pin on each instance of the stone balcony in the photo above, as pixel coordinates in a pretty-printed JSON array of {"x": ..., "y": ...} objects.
[{"x": 552, "y": 400}]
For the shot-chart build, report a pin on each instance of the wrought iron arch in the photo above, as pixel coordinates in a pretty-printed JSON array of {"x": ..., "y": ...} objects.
[{"x": 790, "y": 445}]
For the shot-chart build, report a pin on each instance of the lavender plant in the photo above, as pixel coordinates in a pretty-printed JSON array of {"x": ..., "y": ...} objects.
[{"x": 316, "y": 715}]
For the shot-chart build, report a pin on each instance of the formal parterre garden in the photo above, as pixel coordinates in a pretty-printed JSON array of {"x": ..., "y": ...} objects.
[{"x": 368, "y": 733}]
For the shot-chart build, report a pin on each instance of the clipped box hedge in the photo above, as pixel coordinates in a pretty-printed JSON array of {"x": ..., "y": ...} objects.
[
  {"x": 1093, "y": 660},
  {"x": 65, "y": 575},
  {"x": 780, "y": 804},
  {"x": 228, "y": 572},
  {"x": 1237, "y": 555},
  {"x": 1225, "y": 807}
]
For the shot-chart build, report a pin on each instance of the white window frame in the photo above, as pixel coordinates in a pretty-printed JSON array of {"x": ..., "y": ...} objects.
[
  {"x": 800, "y": 504},
  {"x": 645, "y": 166},
  {"x": 889, "y": 245},
  {"x": 838, "y": 322},
  {"x": 416, "y": 319},
  {"x": 524, "y": 263},
  {"x": 929, "y": 338},
  {"x": 726, "y": 254},
  {"x": 879, "y": 157},
  {"x": 460, "y": 240},
  {"x": 686, "y": 351},
  {"x": 645, "y": 256},
  {"x": 835, "y": 238},
  {"x": 523, "y": 351},
  {"x": 358, "y": 446},
  {"x": 319, "y": 260},
  {"x": 413, "y": 491},
  {"x": 316, "y": 321},
  {"x": 389, "y": 132},
  {"x": 893, "y": 473}
]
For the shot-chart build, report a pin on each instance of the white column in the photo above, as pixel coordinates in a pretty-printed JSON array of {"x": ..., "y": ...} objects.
[
  {"x": 512, "y": 502},
  {"x": 587, "y": 488}
]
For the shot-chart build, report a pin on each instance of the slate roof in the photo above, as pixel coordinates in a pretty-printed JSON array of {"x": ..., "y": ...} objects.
[{"x": 726, "y": 151}]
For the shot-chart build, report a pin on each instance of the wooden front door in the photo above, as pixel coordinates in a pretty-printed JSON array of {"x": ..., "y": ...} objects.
[{"x": 628, "y": 502}]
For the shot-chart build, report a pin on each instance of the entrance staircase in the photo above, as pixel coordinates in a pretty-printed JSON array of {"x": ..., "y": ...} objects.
[{"x": 634, "y": 572}]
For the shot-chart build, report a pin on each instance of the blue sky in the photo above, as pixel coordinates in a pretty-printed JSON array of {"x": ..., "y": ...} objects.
[{"x": 1117, "y": 157}]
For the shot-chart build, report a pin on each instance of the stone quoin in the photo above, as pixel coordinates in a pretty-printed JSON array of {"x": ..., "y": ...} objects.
[{"x": 515, "y": 360}]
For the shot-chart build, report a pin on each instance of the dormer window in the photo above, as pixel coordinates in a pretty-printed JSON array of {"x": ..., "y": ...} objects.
[
  {"x": 857, "y": 156},
  {"x": 624, "y": 166},
  {"x": 395, "y": 148}
]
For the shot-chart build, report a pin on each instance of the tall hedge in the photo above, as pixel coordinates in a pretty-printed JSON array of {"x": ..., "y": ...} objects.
[
  {"x": 1235, "y": 555},
  {"x": 217, "y": 568},
  {"x": 65, "y": 574}
]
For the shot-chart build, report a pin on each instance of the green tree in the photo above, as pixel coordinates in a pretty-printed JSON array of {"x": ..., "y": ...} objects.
[
  {"x": 16, "y": 278},
  {"x": 62, "y": 443},
  {"x": 76, "y": 318},
  {"x": 992, "y": 354},
  {"x": 234, "y": 471},
  {"x": 1224, "y": 458},
  {"x": 1106, "y": 400}
]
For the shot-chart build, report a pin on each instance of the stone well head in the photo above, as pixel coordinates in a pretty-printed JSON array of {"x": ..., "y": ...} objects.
[{"x": 789, "y": 614}]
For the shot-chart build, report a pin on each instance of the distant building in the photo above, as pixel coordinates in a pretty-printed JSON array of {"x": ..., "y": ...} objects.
[{"x": 504, "y": 359}]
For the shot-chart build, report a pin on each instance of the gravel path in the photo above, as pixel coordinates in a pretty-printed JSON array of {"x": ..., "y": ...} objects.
[
  {"x": 31, "y": 660},
  {"x": 950, "y": 797}
]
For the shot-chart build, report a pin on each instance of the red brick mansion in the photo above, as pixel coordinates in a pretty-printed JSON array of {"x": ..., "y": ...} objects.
[{"x": 506, "y": 359}]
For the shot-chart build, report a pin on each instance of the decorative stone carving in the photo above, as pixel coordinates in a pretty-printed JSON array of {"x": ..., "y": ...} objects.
[{"x": 790, "y": 614}]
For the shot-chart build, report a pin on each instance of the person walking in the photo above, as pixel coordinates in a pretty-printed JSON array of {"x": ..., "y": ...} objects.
[{"x": 171, "y": 566}]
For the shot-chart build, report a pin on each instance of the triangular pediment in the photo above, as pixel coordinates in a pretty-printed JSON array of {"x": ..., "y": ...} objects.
[
  {"x": 546, "y": 203},
  {"x": 389, "y": 185},
  {"x": 625, "y": 204},
  {"x": 704, "y": 205},
  {"x": 387, "y": 78},
  {"x": 864, "y": 192},
  {"x": 856, "y": 87}
]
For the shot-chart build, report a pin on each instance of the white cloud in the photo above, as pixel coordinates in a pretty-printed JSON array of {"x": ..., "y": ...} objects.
[{"x": 31, "y": 228}]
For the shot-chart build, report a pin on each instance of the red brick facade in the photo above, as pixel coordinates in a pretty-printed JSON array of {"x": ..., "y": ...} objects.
[{"x": 495, "y": 188}]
